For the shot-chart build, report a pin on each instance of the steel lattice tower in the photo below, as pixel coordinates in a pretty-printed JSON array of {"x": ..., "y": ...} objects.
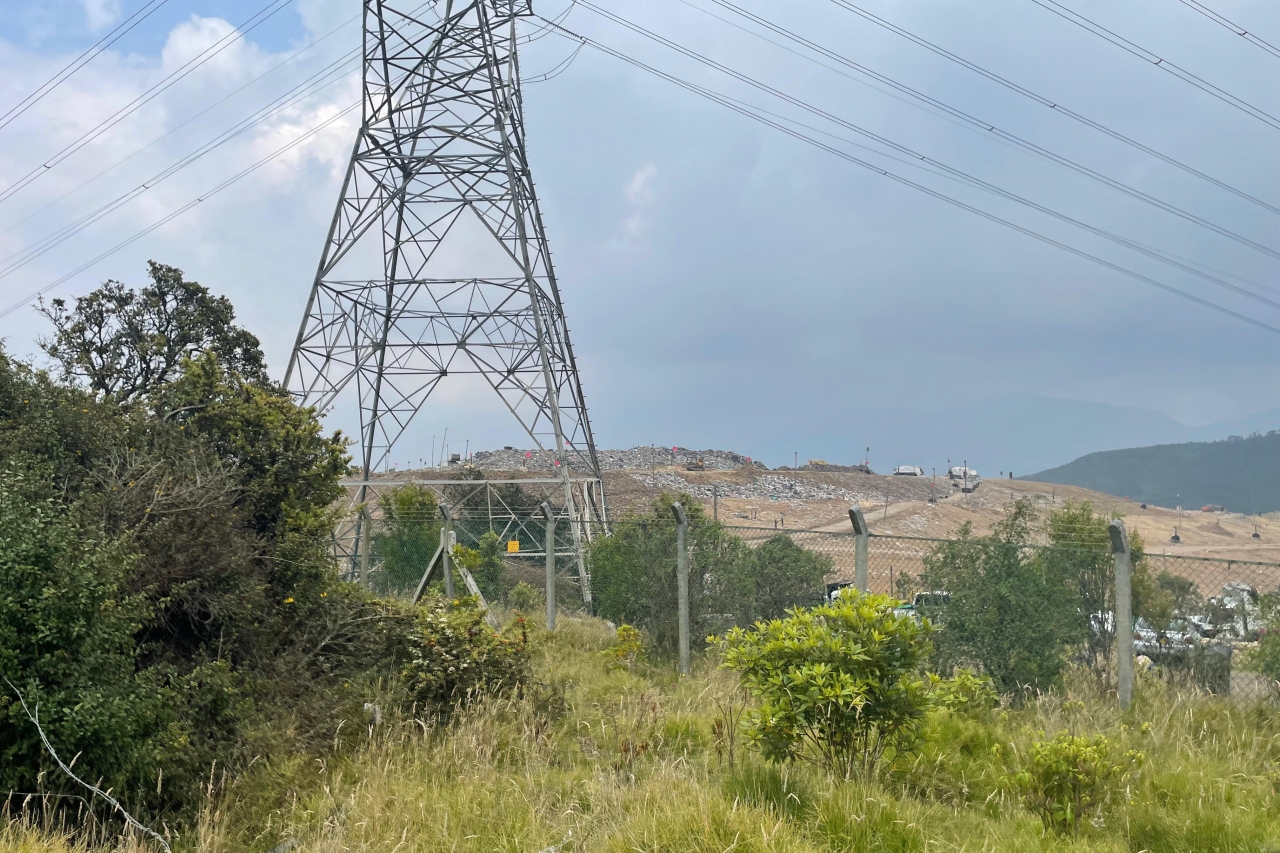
[{"x": 436, "y": 264}]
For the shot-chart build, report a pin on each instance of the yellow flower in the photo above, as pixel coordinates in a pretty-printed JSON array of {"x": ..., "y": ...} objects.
[{"x": 288, "y": 601}]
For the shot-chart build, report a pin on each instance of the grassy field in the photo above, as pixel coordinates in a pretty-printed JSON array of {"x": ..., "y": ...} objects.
[{"x": 603, "y": 758}]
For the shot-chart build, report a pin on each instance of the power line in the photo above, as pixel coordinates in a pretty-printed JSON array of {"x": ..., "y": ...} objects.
[
  {"x": 183, "y": 209},
  {"x": 1108, "y": 235},
  {"x": 1159, "y": 62},
  {"x": 313, "y": 85},
  {"x": 1051, "y": 104},
  {"x": 730, "y": 104},
  {"x": 81, "y": 61},
  {"x": 1235, "y": 28},
  {"x": 260, "y": 17},
  {"x": 291, "y": 57},
  {"x": 987, "y": 126}
]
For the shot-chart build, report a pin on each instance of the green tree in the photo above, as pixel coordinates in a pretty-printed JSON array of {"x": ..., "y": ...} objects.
[
  {"x": 633, "y": 574},
  {"x": 406, "y": 536},
  {"x": 124, "y": 343},
  {"x": 786, "y": 576},
  {"x": 1009, "y": 612},
  {"x": 839, "y": 685}
]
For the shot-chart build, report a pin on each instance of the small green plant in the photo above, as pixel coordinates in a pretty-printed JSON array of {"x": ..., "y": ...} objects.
[
  {"x": 523, "y": 598},
  {"x": 837, "y": 685},
  {"x": 454, "y": 655},
  {"x": 628, "y": 651},
  {"x": 965, "y": 692},
  {"x": 1071, "y": 780}
]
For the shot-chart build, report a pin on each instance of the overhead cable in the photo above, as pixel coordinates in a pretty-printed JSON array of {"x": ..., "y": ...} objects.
[
  {"x": 296, "y": 95},
  {"x": 1159, "y": 62},
  {"x": 1050, "y": 103},
  {"x": 1011, "y": 196},
  {"x": 1235, "y": 28},
  {"x": 81, "y": 61},
  {"x": 730, "y": 104},
  {"x": 980, "y": 124},
  {"x": 183, "y": 209},
  {"x": 260, "y": 17}
]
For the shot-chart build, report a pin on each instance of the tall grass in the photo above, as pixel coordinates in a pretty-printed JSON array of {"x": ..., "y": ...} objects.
[{"x": 600, "y": 758}]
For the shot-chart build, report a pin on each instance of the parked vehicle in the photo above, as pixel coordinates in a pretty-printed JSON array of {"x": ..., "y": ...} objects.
[
  {"x": 966, "y": 479},
  {"x": 908, "y": 471}
]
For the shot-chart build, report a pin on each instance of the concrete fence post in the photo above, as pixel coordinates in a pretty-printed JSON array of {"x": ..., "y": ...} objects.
[
  {"x": 550, "y": 518},
  {"x": 861, "y": 536},
  {"x": 364, "y": 536},
  {"x": 446, "y": 552},
  {"x": 1124, "y": 612},
  {"x": 682, "y": 582}
]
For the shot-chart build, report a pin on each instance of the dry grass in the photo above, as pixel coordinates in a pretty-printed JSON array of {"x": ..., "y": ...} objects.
[{"x": 595, "y": 759}]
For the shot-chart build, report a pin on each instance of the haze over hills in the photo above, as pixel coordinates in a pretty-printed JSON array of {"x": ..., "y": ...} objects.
[
  {"x": 1240, "y": 474},
  {"x": 1019, "y": 432}
]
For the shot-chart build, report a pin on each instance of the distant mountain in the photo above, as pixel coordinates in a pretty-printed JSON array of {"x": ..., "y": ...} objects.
[
  {"x": 1241, "y": 474},
  {"x": 1019, "y": 432}
]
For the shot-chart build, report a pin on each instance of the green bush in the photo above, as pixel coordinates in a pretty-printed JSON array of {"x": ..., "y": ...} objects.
[
  {"x": 406, "y": 537},
  {"x": 628, "y": 651},
  {"x": 837, "y": 685},
  {"x": 524, "y": 598},
  {"x": 1070, "y": 780},
  {"x": 965, "y": 692},
  {"x": 1010, "y": 613},
  {"x": 633, "y": 575},
  {"x": 67, "y": 626},
  {"x": 454, "y": 655}
]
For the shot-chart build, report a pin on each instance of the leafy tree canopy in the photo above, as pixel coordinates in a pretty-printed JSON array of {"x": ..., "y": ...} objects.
[{"x": 124, "y": 344}]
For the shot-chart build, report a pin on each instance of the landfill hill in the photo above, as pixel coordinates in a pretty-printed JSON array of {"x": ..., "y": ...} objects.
[
  {"x": 746, "y": 494},
  {"x": 1239, "y": 474}
]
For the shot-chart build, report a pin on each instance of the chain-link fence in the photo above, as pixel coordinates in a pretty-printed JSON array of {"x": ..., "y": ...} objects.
[{"x": 1023, "y": 613}]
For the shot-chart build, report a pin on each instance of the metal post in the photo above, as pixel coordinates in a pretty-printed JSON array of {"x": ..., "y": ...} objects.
[
  {"x": 446, "y": 543},
  {"x": 551, "y": 564},
  {"x": 715, "y": 502},
  {"x": 363, "y": 539},
  {"x": 682, "y": 583},
  {"x": 1124, "y": 612},
  {"x": 861, "y": 534}
]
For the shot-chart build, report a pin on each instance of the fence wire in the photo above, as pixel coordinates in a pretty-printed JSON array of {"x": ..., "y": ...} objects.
[{"x": 1203, "y": 623}]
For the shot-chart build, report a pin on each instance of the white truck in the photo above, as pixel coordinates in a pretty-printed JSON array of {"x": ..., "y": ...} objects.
[{"x": 966, "y": 479}]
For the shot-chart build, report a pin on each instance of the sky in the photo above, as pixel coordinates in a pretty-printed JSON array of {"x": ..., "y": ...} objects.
[{"x": 727, "y": 285}]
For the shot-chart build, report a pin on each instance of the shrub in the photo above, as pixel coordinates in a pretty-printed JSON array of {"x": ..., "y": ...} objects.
[
  {"x": 1009, "y": 613},
  {"x": 627, "y": 651},
  {"x": 524, "y": 598},
  {"x": 455, "y": 655},
  {"x": 633, "y": 575},
  {"x": 1070, "y": 780},
  {"x": 67, "y": 626},
  {"x": 837, "y": 685},
  {"x": 965, "y": 692}
]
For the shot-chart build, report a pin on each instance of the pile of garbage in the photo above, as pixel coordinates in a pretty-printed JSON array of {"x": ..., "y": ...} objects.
[
  {"x": 767, "y": 487},
  {"x": 635, "y": 459}
]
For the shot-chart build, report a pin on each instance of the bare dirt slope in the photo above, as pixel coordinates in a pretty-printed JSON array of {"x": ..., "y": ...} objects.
[{"x": 900, "y": 505}]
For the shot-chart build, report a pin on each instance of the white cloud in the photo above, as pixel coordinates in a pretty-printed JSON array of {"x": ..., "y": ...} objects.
[
  {"x": 101, "y": 14},
  {"x": 640, "y": 195}
]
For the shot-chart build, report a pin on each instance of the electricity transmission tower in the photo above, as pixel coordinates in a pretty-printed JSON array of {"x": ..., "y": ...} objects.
[{"x": 436, "y": 268}]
